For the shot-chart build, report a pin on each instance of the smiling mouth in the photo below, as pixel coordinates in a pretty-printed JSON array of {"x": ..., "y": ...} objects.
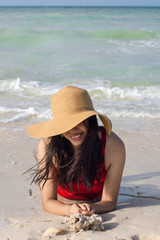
[{"x": 77, "y": 137}]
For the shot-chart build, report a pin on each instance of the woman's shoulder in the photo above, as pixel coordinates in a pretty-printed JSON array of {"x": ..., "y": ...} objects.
[
  {"x": 43, "y": 143},
  {"x": 115, "y": 149},
  {"x": 114, "y": 140},
  {"x": 42, "y": 148}
]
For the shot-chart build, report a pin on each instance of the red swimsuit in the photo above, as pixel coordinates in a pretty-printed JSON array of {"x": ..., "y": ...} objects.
[{"x": 81, "y": 192}]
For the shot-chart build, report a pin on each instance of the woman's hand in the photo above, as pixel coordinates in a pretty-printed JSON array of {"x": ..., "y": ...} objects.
[
  {"x": 86, "y": 209},
  {"x": 83, "y": 208}
]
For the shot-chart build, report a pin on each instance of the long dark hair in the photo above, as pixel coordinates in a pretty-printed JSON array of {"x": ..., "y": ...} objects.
[{"x": 70, "y": 166}]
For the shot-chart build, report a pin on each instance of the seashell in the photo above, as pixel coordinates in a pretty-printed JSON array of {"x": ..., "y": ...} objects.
[{"x": 53, "y": 231}]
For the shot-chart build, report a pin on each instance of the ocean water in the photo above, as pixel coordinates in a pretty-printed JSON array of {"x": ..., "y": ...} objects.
[{"x": 112, "y": 52}]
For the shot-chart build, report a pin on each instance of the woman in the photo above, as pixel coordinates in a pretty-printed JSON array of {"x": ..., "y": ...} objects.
[{"x": 80, "y": 163}]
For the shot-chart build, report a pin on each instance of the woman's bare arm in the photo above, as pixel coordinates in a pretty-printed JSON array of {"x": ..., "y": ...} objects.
[
  {"x": 49, "y": 190},
  {"x": 114, "y": 164}
]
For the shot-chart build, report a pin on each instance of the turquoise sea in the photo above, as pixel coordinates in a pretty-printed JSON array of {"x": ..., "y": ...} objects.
[{"x": 112, "y": 52}]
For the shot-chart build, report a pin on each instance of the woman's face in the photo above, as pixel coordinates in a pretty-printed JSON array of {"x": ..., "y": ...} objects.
[{"x": 77, "y": 134}]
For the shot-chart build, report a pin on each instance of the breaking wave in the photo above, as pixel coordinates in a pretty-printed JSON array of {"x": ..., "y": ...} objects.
[
  {"x": 33, "y": 98},
  {"x": 34, "y": 88}
]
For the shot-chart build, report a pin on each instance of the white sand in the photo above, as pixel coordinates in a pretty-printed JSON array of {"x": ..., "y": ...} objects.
[{"x": 136, "y": 218}]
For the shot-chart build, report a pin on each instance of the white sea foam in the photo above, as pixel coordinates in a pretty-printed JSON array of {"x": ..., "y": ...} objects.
[
  {"x": 117, "y": 93},
  {"x": 23, "y": 88},
  {"x": 134, "y": 47},
  {"x": 134, "y": 114},
  {"x": 34, "y": 100},
  {"x": 10, "y": 85},
  {"x": 34, "y": 89},
  {"x": 45, "y": 114},
  {"x": 15, "y": 113},
  {"x": 18, "y": 110}
]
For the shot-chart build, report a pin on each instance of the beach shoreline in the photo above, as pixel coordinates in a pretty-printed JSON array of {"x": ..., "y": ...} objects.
[{"x": 22, "y": 216}]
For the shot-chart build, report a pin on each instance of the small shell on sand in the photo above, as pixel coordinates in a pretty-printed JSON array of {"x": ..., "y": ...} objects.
[{"x": 53, "y": 231}]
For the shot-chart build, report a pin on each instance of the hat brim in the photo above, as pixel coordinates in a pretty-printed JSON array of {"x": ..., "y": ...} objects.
[{"x": 58, "y": 126}]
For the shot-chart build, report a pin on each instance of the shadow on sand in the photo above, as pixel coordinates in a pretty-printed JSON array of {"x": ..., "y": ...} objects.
[{"x": 139, "y": 195}]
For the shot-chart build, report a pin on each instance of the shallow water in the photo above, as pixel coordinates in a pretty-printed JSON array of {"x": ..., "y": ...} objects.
[{"x": 112, "y": 52}]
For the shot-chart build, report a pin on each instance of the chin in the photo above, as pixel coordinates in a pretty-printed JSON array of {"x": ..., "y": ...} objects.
[{"x": 78, "y": 144}]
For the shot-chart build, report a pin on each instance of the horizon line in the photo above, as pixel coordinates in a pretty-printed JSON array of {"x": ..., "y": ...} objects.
[{"x": 77, "y": 6}]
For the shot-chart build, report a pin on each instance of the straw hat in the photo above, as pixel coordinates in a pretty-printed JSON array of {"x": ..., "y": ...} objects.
[{"x": 70, "y": 106}]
